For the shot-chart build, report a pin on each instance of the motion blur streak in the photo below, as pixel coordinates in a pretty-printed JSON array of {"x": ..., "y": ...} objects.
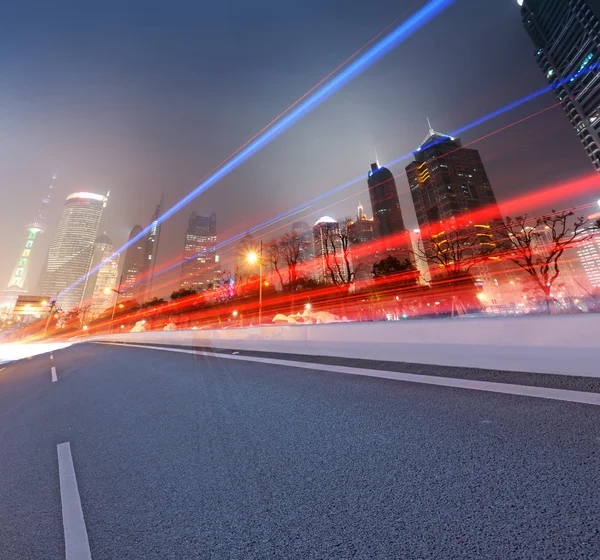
[
  {"x": 289, "y": 213},
  {"x": 367, "y": 59},
  {"x": 323, "y": 80},
  {"x": 458, "y": 131}
]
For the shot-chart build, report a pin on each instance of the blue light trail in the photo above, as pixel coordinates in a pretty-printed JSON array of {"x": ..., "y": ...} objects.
[
  {"x": 367, "y": 59},
  {"x": 473, "y": 124}
]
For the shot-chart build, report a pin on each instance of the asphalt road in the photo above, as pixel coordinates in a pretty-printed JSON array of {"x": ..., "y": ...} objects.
[{"x": 182, "y": 456}]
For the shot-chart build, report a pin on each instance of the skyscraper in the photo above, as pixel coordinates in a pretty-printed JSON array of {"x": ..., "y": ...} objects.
[
  {"x": 198, "y": 270},
  {"x": 98, "y": 292},
  {"x": 140, "y": 260},
  {"x": 133, "y": 266},
  {"x": 34, "y": 228},
  {"x": 151, "y": 252},
  {"x": 566, "y": 35},
  {"x": 447, "y": 183},
  {"x": 387, "y": 216},
  {"x": 364, "y": 256},
  {"x": 326, "y": 241},
  {"x": 71, "y": 250}
]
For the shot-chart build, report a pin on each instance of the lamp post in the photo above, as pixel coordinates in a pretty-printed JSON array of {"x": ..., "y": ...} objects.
[
  {"x": 118, "y": 292},
  {"x": 254, "y": 257},
  {"x": 52, "y": 305}
]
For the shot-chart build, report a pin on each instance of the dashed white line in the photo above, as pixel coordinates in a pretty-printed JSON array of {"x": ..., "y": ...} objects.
[
  {"x": 460, "y": 383},
  {"x": 77, "y": 545},
  {"x": 51, "y": 357},
  {"x": 53, "y": 372}
]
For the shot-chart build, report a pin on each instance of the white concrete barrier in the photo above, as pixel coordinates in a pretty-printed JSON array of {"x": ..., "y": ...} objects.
[{"x": 563, "y": 344}]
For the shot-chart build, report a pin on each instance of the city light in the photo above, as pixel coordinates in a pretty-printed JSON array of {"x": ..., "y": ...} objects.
[
  {"x": 337, "y": 82},
  {"x": 252, "y": 257}
]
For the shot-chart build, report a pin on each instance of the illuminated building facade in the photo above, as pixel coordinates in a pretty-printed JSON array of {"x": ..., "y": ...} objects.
[
  {"x": 139, "y": 261},
  {"x": 133, "y": 266},
  {"x": 418, "y": 249},
  {"x": 566, "y": 36},
  {"x": 71, "y": 250},
  {"x": 448, "y": 182},
  {"x": 17, "y": 282},
  {"x": 364, "y": 256},
  {"x": 199, "y": 269},
  {"x": 325, "y": 240},
  {"x": 99, "y": 294},
  {"x": 387, "y": 216},
  {"x": 151, "y": 244}
]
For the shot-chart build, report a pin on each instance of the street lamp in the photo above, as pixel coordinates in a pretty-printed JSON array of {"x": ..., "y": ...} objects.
[
  {"x": 118, "y": 292},
  {"x": 254, "y": 257}
]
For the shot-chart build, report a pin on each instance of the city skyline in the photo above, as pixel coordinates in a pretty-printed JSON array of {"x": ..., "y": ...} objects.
[{"x": 230, "y": 211}]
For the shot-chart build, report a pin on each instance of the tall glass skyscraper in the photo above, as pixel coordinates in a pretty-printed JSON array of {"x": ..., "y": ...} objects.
[
  {"x": 98, "y": 293},
  {"x": 71, "y": 251},
  {"x": 199, "y": 268},
  {"x": 448, "y": 183},
  {"x": 387, "y": 216},
  {"x": 133, "y": 264},
  {"x": 566, "y": 36}
]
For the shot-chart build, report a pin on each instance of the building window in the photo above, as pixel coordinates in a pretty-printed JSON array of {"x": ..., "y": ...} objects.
[{"x": 29, "y": 244}]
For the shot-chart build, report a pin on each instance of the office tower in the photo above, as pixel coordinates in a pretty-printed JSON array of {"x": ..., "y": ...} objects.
[
  {"x": 388, "y": 224},
  {"x": 588, "y": 251},
  {"x": 566, "y": 38},
  {"x": 71, "y": 250},
  {"x": 150, "y": 252},
  {"x": 418, "y": 249},
  {"x": 98, "y": 294},
  {"x": 361, "y": 229},
  {"x": 303, "y": 232},
  {"x": 451, "y": 192},
  {"x": 198, "y": 271},
  {"x": 365, "y": 255},
  {"x": 133, "y": 266},
  {"x": 326, "y": 240}
]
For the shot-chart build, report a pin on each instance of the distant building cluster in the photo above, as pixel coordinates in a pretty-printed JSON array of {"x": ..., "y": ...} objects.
[{"x": 448, "y": 184}]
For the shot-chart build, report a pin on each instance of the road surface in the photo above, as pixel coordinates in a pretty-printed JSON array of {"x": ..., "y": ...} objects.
[{"x": 131, "y": 453}]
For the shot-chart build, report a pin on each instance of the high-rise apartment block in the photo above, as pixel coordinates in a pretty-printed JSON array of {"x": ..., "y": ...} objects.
[{"x": 566, "y": 38}]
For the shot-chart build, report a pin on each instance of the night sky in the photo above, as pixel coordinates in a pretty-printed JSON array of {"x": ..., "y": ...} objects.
[{"x": 145, "y": 97}]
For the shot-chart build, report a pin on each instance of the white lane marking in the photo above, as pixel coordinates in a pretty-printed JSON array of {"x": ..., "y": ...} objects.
[
  {"x": 51, "y": 357},
  {"x": 53, "y": 372},
  {"x": 76, "y": 539},
  {"x": 2, "y": 369},
  {"x": 473, "y": 384}
]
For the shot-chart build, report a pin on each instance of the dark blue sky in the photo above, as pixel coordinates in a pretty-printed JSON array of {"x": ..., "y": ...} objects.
[{"x": 144, "y": 97}]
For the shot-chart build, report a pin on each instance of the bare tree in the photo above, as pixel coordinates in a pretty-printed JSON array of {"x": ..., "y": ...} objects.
[
  {"x": 456, "y": 251},
  {"x": 273, "y": 256},
  {"x": 337, "y": 255},
  {"x": 538, "y": 248},
  {"x": 291, "y": 251}
]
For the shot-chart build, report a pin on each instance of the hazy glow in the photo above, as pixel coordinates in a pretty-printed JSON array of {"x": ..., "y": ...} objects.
[
  {"x": 88, "y": 196},
  {"x": 367, "y": 59}
]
